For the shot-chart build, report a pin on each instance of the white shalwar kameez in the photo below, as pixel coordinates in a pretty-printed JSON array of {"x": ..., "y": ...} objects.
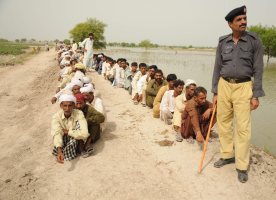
[{"x": 88, "y": 54}]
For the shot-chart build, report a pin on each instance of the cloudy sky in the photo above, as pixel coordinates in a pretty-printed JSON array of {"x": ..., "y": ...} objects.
[{"x": 169, "y": 22}]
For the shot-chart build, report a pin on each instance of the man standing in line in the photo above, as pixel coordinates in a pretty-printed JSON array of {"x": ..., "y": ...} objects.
[
  {"x": 142, "y": 71},
  {"x": 87, "y": 45},
  {"x": 196, "y": 117},
  {"x": 180, "y": 103},
  {"x": 153, "y": 87},
  {"x": 239, "y": 57},
  {"x": 167, "y": 104},
  {"x": 69, "y": 130},
  {"x": 94, "y": 118},
  {"x": 157, "y": 100}
]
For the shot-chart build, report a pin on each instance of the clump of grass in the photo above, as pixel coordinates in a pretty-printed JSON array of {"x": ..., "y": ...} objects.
[{"x": 12, "y": 48}]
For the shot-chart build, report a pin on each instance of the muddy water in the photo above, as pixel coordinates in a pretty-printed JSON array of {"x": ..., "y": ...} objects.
[{"x": 198, "y": 65}]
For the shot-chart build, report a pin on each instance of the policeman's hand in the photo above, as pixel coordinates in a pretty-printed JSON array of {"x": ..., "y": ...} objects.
[
  {"x": 53, "y": 100},
  {"x": 215, "y": 99},
  {"x": 206, "y": 114},
  {"x": 254, "y": 103}
]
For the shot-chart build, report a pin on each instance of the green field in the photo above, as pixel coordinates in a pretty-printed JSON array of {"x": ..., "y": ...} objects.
[{"x": 12, "y": 48}]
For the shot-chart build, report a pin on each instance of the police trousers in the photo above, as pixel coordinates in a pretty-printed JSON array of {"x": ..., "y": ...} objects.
[{"x": 234, "y": 121}]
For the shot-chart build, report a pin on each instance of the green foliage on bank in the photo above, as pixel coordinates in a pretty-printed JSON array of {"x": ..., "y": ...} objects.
[
  {"x": 122, "y": 44},
  {"x": 147, "y": 44},
  {"x": 12, "y": 48},
  {"x": 92, "y": 25},
  {"x": 268, "y": 37}
]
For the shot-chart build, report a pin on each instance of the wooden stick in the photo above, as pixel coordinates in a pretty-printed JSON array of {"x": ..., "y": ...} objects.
[{"x": 207, "y": 138}]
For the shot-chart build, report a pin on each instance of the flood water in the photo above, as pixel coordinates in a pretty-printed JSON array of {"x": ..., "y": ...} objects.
[{"x": 198, "y": 65}]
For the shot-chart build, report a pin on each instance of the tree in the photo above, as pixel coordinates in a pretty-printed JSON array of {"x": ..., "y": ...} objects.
[
  {"x": 3, "y": 40},
  {"x": 146, "y": 44},
  {"x": 23, "y": 40},
  {"x": 81, "y": 31},
  {"x": 268, "y": 37},
  {"x": 66, "y": 41}
]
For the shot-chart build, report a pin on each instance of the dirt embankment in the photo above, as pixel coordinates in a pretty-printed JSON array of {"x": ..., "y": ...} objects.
[{"x": 136, "y": 157}]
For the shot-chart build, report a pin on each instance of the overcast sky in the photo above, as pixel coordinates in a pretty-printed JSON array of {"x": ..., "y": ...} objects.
[{"x": 169, "y": 22}]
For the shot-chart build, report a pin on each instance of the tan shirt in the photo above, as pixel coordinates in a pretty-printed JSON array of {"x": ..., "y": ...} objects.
[
  {"x": 160, "y": 94},
  {"x": 76, "y": 125}
]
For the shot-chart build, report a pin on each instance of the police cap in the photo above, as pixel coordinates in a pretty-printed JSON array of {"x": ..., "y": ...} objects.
[{"x": 236, "y": 12}]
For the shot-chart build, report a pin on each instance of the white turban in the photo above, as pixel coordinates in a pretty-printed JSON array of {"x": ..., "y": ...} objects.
[
  {"x": 87, "y": 79},
  {"x": 67, "y": 97},
  {"x": 188, "y": 82},
  {"x": 78, "y": 75},
  {"x": 87, "y": 88},
  {"x": 66, "y": 62},
  {"x": 76, "y": 82},
  {"x": 69, "y": 86}
]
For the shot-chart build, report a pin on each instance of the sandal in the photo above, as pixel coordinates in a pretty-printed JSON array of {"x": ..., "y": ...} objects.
[
  {"x": 190, "y": 140},
  {"x": 178, "y": 137},
  {"x": 87, "y": 153}
]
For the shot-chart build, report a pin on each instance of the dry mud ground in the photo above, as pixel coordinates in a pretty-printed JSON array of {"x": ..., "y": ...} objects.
[{"x": 131, "y": 160}]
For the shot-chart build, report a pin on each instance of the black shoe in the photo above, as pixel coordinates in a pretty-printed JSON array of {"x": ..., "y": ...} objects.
[
  {"x": 242, "y": 176},
  {"x": 221, "y": 162}
]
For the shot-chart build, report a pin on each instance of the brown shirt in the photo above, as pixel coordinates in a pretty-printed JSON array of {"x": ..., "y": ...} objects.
[{"x": 193, "y": 110}]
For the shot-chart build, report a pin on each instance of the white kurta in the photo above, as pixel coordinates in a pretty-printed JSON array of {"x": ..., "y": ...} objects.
[
  {"x": 117, "y": 74},
  {"x": 88, "y": 54},
  {"x": 140, "y": 84},
  {"x": 167, "y": 106}
]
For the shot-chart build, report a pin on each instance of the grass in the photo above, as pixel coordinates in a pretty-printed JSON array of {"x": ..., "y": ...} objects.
[
  {"x": 12, "y": 53},
  {"x": 12, "y": 48}
]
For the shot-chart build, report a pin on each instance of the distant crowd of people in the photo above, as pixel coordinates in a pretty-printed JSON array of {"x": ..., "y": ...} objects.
[
  {"x": 79, "y": 123},
  {"x": 182, "y": 105}
]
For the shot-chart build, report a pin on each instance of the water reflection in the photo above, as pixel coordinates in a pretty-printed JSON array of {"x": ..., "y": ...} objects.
[{"x": 198, "y": 65}]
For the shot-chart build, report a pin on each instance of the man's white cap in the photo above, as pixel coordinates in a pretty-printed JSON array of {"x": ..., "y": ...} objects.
[
  {"x": 79, "y": 75},
  {"x": 87, "y": 88},
  {"x": 66, "y": 62},
  {"x": 69, "y": 86},
  {"x": 77, "y": 82},
  {"x": 86, "y": 79},
  {"x": 188, "y": 82},
  {"x": 67, "y": 97}
]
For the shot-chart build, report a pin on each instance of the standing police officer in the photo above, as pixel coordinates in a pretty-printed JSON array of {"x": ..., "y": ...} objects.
[{"x": 239, "y": 57}]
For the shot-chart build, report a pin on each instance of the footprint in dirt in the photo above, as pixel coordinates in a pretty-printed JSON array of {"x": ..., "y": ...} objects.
[{"x": 165, "y": 143}]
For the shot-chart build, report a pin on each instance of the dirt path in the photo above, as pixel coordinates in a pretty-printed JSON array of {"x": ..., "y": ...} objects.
[{"x": 129, "y": 162}]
